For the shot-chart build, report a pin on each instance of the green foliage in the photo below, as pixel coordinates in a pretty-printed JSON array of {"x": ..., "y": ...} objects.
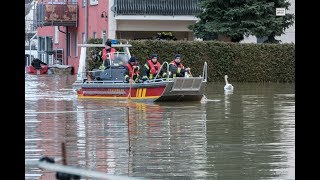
[
  {"x": 239, "y": 18},
  {"x": 241, "y": 62},
  {"x": 93, "y": 60}
]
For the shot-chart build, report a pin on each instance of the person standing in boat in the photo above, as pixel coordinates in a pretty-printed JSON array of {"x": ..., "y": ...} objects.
[
  {"x": 107, "y": 54},
  {"x": 176, "y": 68},
  {"x": 36, "y": 63},
  {"x": 132, "y": 70},
  {"x": 151, "y": 69}
]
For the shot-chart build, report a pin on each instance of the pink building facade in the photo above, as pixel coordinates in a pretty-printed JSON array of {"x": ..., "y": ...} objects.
[
  {"x": 64, "y": 38},
  {"x": 63, "y": 24}
]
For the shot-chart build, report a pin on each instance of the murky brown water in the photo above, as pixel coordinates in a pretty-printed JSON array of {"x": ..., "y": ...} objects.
[{"x": 249, "y": 134}]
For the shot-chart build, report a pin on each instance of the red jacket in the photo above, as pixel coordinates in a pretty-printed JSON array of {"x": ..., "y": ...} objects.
[
  {"x": 175, "y": 64},
  {"x": 135, "y": 72},
  {"x": 152, "y": 68},
  {"x": 106, "y": 51}
]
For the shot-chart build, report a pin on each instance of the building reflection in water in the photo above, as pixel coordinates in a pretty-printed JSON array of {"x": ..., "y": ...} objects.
[
  {"x": 163, "y": 138},
  {"x": 167, "y": 139},
  {"x": 249, "y": 133}
]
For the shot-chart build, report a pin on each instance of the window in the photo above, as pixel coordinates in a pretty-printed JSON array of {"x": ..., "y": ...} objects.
[
  {"x": 93, "y": 2},
  {"x": 41, "y": 44},
  {"x": 76, "y": 44},
  {"x": 84, "y": 2},
  {"x": 59, "y": 56},
  {"x": 49, "y": 44},
  {"x": 94, "y": 34},
  {"x": 104, "y": 34},
  {"x": 56, "y": 34}
]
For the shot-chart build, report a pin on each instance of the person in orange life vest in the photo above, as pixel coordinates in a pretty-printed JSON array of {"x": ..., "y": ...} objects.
[
  {"x": 107, "y": 54},
  {"x": 151, "y": 69},
  {"x": 132, "y": 70},
  {"x": 36, "y": 63},
  {"x": 176, "y": 68}
]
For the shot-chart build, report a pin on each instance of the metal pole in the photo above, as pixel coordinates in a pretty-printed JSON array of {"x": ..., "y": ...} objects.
[
  {"x": 77, "y": 171},
  {"x": 86, "y": 22},
  {"x": 104, "y": 38},
  {"x": 29, "y": 62}
]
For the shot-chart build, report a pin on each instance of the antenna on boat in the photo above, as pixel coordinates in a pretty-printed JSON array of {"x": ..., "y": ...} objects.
[{"x": 205, "y": 71}]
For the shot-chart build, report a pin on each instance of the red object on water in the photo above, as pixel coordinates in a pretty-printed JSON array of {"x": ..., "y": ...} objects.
[{"x": 32, "y": 70}]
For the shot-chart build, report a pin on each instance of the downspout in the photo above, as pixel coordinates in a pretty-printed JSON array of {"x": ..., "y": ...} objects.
[
  {"x": 30, "y": 46},
  {"x": 61, "y": 30},
  {"x": 86, "y": 22},
  {"x": 67, "y": 44}
]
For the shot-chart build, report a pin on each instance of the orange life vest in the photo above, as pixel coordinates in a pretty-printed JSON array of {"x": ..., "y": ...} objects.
[
  {"x": 175, "y": 64},
  {"x": 152, "y": 67},
  {"x": 135, "y": 72},
  {"x": 105, "y": 53}
]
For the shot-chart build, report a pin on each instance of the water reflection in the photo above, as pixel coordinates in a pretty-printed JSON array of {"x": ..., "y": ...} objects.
[
  {"x": 253, "y": 127},
  {"x": 248, "y": 134}
]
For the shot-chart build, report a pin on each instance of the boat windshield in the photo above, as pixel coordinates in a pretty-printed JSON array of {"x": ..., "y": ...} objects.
[{"x": 119, "y": 59}]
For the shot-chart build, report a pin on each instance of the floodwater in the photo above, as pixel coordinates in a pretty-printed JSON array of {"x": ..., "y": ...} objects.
[{"x": 247, "y": 134}]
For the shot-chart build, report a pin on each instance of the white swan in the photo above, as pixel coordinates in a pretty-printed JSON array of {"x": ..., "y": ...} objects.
[{"x": 227, "y": 87}]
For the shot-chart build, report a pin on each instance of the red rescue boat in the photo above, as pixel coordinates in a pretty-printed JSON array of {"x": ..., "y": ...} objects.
[
  {"x": 109, "y": 83},
  {"x": 31, "y": 70}
]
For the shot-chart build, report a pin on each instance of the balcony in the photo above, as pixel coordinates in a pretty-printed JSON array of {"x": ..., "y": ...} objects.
[
  {"x": 57, "y": 14},
  {"x": 156, "y": 7}
]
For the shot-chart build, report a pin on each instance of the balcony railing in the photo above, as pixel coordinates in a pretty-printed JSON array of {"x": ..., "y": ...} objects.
[
  {"x": 57, "y": 14},
  {"x": 156, "y": 7}
]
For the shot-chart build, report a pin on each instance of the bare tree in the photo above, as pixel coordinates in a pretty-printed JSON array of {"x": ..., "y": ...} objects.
[{"x": 27, "y": 8}]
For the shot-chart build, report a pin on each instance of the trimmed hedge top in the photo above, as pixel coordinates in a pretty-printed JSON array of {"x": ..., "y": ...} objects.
[{"x": 241, "y": 62}]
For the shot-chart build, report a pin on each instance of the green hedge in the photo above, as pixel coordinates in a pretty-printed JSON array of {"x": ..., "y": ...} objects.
[{"x": 241, "y": 62}]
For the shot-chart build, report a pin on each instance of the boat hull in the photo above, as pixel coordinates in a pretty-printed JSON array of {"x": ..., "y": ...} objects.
[{"x": 178, "y": 89}]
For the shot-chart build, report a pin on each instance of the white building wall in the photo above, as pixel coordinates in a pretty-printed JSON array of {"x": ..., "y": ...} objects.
[
  {"x": 112, "y": 23},
  {"x": 249, "y": 39},
  {"x": 176, "y": 23},
  {"x": 153, "y": 25},
  {"x": 289, "y": 36}
]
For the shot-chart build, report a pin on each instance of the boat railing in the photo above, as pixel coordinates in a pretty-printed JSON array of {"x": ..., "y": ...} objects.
[
  {"x": 205, "y": 72},
  {"x": 102, "y": 82},
  {"x": 164, "y": 63},
  {"x": 157, "y": 80}
]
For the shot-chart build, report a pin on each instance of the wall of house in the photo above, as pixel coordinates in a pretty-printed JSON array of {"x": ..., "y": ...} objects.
[{"x": 96, "y": 25}]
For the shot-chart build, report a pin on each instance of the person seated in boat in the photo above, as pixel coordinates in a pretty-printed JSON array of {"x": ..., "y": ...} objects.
[
  {"x": 107, "y": 54},
  {"x": 36, "y": 63},
  {"x": 151, "y": 69},
  {"x": 176, "y": 68},
  {"x": 132, "y": 70}
]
